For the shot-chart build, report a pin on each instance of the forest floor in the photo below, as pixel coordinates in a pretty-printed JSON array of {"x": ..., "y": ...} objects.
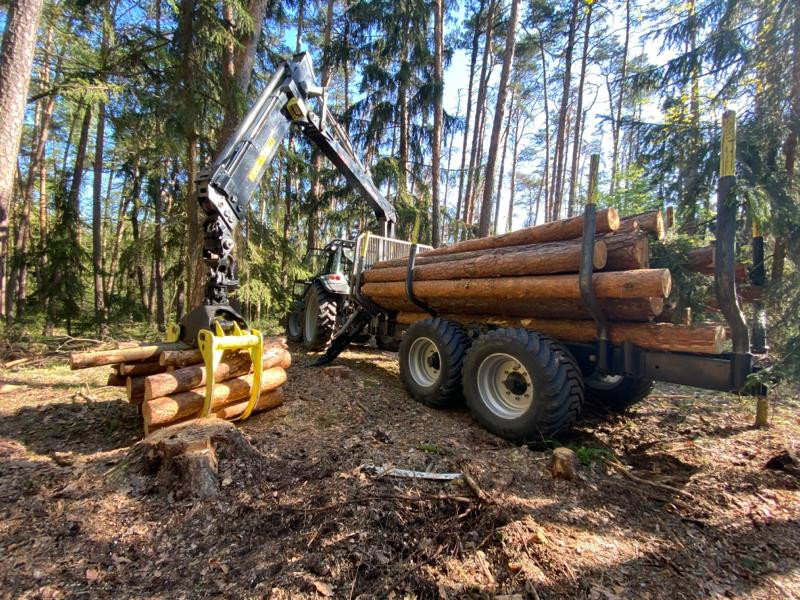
[{"x": 317, "y": 522}]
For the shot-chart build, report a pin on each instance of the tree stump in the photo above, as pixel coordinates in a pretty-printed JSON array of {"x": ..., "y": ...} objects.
[
  {"x": 563, "y": 464},
  {"x": 184, "y": 459}
]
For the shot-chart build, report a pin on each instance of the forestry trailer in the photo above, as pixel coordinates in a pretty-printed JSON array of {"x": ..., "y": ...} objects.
[{"x": 523, "y": 326}]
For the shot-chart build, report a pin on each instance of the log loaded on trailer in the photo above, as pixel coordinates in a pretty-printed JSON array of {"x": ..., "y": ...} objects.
[{"x": 525, "y": 326}]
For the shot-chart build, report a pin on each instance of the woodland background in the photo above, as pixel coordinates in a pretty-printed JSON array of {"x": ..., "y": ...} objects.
[{"x": 124, "y": 100}]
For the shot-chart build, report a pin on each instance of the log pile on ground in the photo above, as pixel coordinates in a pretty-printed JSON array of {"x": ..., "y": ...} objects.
[
  {"x": 529, "y": 278},
  {"x": 168, "y": 380}
]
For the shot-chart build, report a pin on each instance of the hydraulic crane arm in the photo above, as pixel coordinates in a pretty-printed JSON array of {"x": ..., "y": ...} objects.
[{"x": 224, "y": 190}]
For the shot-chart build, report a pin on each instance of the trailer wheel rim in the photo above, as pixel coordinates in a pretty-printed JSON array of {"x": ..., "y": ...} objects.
[
  {"x": 312, "y": 308},
  {"x": 424, "y": 362},
  {"x": 505, "y": 385}
]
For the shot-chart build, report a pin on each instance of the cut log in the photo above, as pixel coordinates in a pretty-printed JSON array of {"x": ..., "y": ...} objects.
[
  {"x": 97, "y": 358},
  {"x": 652, "y": 221},
  {"x": 642, "y": 283},
  {"x": 266, "y": 401},
  {"x": 135, "y": 388},
  {"x": 169, "y": 409},
  {"x": 747, "y": 294},
  {"x": 700, "y": 258},
  {"x": 188, "y": 378},
  {"x": 615, "y": 309},
  {"x": 701, "y": 339},
  {"x": 740, "y": 272},
  {"x": 116, "y": 380},
  {"x": 145, "y": 368},
  {"x": 627, "y": 251},
  {"x": 565, "y": 229},
  {"x": 536, "y": 259},
  {"x": 182, "y": 358}
]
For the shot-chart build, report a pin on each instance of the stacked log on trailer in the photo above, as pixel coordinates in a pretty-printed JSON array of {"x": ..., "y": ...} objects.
[
  {"x": 529, "y": 278},
  {"x": 168, "y": 380}
]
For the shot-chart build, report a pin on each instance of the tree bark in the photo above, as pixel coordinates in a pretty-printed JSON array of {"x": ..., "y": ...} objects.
[
  {"x": 99, "y": 358},
  {"x": 627, "y": 251},
  {"x": 652, "y": 221},
  {"x": 159, "y": 412},
  {"x": 438, "y": 117},
  {"x": 473, "y": 60},
  {"x": 616, "y": 124},
  {"x": 641, "y": 283},
  {"x": 536, "y": 259},
  {"x": 16, "y": 60},
  {"x": 578, "y": 134},
  {"x": 497, "y": 126},
  {"x": 480, "y": 109},
  {"x": 188, "y": 378},
  {"x": 565, "y": 229},
  {"x": 97, "y": 225},
  {"x": 558, "y": 157},
  {"x": 77, "y": 174}
]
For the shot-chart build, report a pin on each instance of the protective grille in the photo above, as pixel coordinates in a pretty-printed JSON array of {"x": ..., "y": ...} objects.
[{"x": 371, "y": 249}]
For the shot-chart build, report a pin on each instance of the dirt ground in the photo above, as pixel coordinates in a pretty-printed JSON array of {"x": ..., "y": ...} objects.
[{"x": 313, "y": 520}]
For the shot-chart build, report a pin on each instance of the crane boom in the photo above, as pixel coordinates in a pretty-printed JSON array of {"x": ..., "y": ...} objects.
[{"x": 225, "y": 188}]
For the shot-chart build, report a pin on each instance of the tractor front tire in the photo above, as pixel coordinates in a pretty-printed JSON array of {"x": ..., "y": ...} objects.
[
  {"x": 522, "y": 386},
  {"x": 319, "y": 317},
  {"x": 431, "y": 358},
  {"x": 294, "y": 324}
]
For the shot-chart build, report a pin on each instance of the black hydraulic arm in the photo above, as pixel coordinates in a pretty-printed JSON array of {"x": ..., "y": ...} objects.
[{"x": 225, "y": 188}]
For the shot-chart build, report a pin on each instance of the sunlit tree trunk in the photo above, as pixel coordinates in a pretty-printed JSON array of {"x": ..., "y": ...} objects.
[
  {"x": 578, "y": 133},
  {"x": 494, "y": 144},
  {"x": 16, "y": 60}
]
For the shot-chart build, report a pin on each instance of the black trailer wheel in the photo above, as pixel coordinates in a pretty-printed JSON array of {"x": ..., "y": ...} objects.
[
  {"x": 431, "y": 357},
  {"x": 617, "y": 392},
  {"x": 319, "y": 317},
  {"x": 521, "y": 385},
  {"x": 294, "y": 323}
]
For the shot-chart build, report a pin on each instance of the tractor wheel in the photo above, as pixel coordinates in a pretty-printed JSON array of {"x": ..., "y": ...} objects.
[
  {"x": 294, "y": 325},
  {"x": 319, "y": 320},
  {"x": 617, "y": 392},
  {"x": 431, "y": 357},
  {"x": 521, "y": 385}
]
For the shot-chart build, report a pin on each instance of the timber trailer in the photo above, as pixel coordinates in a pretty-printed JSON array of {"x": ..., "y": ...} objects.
[{"x": 527, "y": 387}]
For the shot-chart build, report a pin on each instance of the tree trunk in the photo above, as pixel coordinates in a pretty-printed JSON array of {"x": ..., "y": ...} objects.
[
  {"x": 578, "y": 135},
  {"x": 480, "y": 108},
  {"x": 616, "y": 121},
  {"x": 497, "y": 127},
  {"x": 438, "y": 117},
  {"x": 514, "y": 155},
  {"x": 158, "y": 251},
  {"x": 546, "y": 174},
  {"x": 558, "y": 157},
  {"x": 16, "y": 60},
  {"x": 77, "y": 174},
  {"x": 500, "y": 176},
  {"x": 97, "y": 225}
]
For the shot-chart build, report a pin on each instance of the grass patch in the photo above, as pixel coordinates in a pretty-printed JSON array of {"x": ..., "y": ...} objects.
[{"x": 431, "y": 448}]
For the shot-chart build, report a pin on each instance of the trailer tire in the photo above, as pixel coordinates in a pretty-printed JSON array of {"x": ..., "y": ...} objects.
[
  {"x": 431, "y": 359},
  {"x": 319, "y": 317},
  {"x": 521, "y": 385},
  {"x": 294, "y": 326},
  {"x": 617, "y": 393}
]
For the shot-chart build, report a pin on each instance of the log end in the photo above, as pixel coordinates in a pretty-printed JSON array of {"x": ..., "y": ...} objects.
[
  {"x": 600, "y": 254},
  {"x": 613, "y": 218}
]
